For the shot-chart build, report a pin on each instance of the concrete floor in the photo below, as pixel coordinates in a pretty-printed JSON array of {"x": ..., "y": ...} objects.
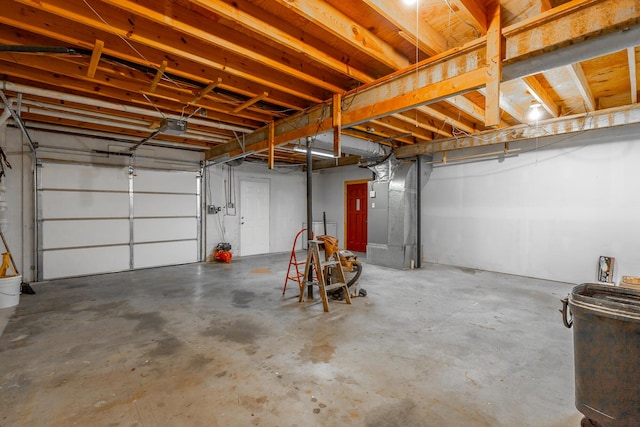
[{"x": 218, "y": 345}]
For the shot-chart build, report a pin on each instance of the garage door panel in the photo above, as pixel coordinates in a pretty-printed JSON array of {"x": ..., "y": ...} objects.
[
  {"x": 93, "y": 221},
  {"x": 156, "y": 229},
  {"x": 79, "y": 262},
  {"x": 84, "y": 204},
  {"x": 68, "y": 234},
  {"x": 169, "y": 253},
  {"x": 163, "y": 205},
  {"x": 165, "y": 182},
  {"x": 81, "y": 177}
]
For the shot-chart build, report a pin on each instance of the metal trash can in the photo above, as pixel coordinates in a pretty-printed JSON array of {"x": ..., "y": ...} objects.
[{"x": 606, "y": 344}]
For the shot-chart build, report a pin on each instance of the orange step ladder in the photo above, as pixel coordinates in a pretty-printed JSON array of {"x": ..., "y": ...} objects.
[{"x": 296, "y": 275}]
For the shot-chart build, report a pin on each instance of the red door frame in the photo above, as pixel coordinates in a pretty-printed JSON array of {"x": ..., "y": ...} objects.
[{"x": 364, "y": 206}]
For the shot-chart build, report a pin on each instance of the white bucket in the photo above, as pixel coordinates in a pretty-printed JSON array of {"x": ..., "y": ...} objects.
[{"x": 10, "y": 291}]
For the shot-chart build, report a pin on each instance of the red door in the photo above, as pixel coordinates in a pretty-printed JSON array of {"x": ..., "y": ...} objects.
[{"x": 357, "y": 217}]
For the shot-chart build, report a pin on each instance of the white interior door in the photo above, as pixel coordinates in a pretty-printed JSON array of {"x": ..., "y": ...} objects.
[{"x": 254, "y": 216}]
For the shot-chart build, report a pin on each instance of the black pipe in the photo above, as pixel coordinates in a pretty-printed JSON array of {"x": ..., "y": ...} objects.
[
  {"x": 309, "y": 214},
  {"x": 419, "y": 212}
]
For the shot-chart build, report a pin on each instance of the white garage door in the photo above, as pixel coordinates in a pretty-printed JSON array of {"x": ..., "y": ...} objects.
[{"x": 103, "y": 219}]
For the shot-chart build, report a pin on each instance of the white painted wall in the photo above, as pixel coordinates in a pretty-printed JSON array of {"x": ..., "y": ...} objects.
[
  {"x": 548, "y": 213},
  {"x": 287, "y": 206}
]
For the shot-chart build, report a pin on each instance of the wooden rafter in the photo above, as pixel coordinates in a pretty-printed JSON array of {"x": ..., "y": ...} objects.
[
  {"x": 263, "y": 28},
  {"x": 210, "y": 38},
  {"x": 473, "y": 12},
  {"x": 631, "y": 55},
  {"x": 346, "y": 29},
  {"x": 11, "y": 17},
  {"x": 541, "y": 95},
  {"x": 446, "y": 119},
  {"x": 415, "y": 119},
  {"x": 250, "y": 102},
  {"x": 384, "y": 98},
  {"x": 580, "y": 80},
  {"x": 629, "y": 114},
  {"x": 58, "y": 8},
  {"x": 158, "y": 76},
  {"x": 95, "y": 58},
  {"x": 424, "y": 35},
  {"x": 211, "y": 86},
  {"x": 400, "y": 124}
]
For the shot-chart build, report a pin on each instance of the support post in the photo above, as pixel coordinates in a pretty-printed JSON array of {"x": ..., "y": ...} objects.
[
  {"x": 309, "y": 213},
  {"x": 494, "y": 69}
]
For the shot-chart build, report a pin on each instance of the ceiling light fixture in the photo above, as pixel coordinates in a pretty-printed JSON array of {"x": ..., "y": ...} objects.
[
  {"x": 409, "y": 2},
  {"x": 314, "y": 152},
  {"x": 535, "y": 110}
]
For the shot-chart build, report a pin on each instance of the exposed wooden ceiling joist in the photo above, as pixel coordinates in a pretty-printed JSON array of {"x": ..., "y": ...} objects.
[
  {"x": 418, "y": 70},
  {"x": 420, "y": 84}
]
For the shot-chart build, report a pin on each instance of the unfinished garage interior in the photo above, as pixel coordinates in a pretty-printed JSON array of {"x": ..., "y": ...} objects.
[{"x": 166, "y": 164}]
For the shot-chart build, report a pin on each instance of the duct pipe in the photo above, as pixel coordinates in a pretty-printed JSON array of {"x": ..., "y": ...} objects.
[
  {"x": 393, "y": 209},
  {"x": 15, "y": 87},
  {"x": 349, "y": 145}
]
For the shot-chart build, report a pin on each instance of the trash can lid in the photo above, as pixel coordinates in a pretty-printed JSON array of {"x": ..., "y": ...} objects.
[{"x": 613, "y": 301}]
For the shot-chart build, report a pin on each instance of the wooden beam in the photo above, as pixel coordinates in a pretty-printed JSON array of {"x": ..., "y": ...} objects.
[
  {"x": 427, "y": 38},
  {"x": 95, "y": 58},
  {"x": 379, "y": 102},
  {"x": 336, "y": 123},
  {"x": 191, "y": 71},
  {"x": 578, "y": 21},
  {"x": 158, "y": 76},
  {"x": 57, "y": 68},
  {"x": 210, "y": 38},
  {"x": 211, "y": 86},
  {"x": 541, "y": 95},
  {"x": 401, "y": 124},
  {"x": 275, "y": 34},
  {"x": 545, "y": 5},
  {"x": 250, "y": 102},
  {"x": 577, "y": 123},
  {"x": 272, "y": 146},
  {"x": 446, "y": 119},
  {"x": 58, "y": 7},
  {"x": 332, "y": 163},
  {"x": 434, "y": 79},
  {"x": 494, "y": 68},
  {"x": 578, "y": 77},
  {"x": 631, "y": 54},
  {"x": 417, "y": 121},
  {"x": 346, "y": 29},
  {"x": 474, "y": 13}
]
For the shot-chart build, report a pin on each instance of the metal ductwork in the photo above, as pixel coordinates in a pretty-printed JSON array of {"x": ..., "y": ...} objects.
[
  {"x": 350, "y": 145},
  {"x": 393, "y": 212}
]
